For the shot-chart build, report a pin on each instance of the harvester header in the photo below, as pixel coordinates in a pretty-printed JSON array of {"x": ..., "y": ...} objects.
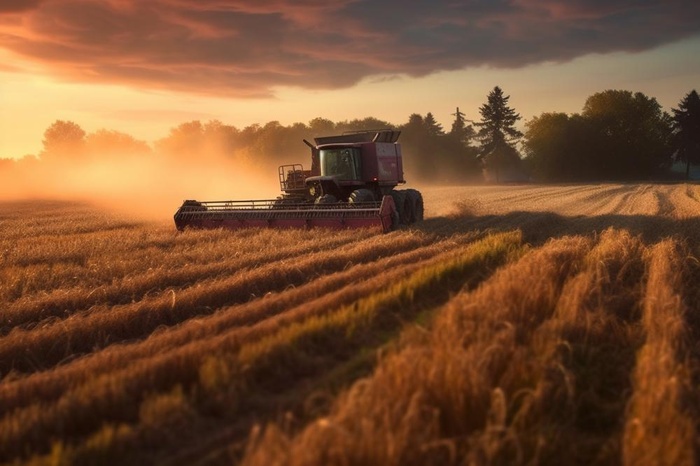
[{"x": 351, "y": 184}]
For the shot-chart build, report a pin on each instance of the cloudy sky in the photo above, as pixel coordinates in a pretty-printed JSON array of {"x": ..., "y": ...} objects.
[{"x": 145, "y": 66}]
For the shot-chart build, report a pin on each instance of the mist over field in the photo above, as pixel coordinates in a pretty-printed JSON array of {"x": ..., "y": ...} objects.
[
  {"x": 619, "y": 136},
  {"x": 150, "y": 186}
]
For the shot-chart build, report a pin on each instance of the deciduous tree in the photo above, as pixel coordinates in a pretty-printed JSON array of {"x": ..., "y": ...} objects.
[
  {"x": 184, "y": 141},
  {"x": 362, "y": 124},
  {"x": 321, "y": 126},
  {"x": 632, "y": 134},
  {"x": 64, "y": 140},
  {"x": 419, "y": 159},
  {"x": 106, "y": 143}
]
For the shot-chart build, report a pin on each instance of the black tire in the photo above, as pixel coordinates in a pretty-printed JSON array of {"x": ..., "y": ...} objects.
[
  {"x": 193, "y": 206},
  {"x": 361, "y": 195},
  {"x": 327, "y": 199},
  {"x": 395, "y": 221},
  {"x": 416, "y": 199},
  {"x": 400, "y": 203},
  {"x": 409, "y": 214},
  {"x": 283, "y": 201}
]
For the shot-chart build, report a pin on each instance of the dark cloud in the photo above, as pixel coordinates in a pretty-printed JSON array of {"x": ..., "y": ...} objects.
[
  {"x": 18, "y": 5},
  {"x": 246, "y": 48}
]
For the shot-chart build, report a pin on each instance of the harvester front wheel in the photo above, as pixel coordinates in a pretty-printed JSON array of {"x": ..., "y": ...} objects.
[
  {"x": 283, "y": 201},
  {"x": 193, "y": 206},
  {"x": 395, "y": 220},
  {"x": 361, "y": 195},
  {"x": 327, "y": 199},
  {"x": 400, "y": 203}
]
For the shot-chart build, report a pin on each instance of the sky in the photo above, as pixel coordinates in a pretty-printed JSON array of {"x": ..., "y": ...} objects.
[{"x": 143, "y": 67}]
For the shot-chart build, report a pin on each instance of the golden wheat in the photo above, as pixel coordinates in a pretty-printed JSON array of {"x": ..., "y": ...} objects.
[
  {"x": 313, "y": 298},
  {"x": 126, "y": 342},
  {"x": 660, "y": 427}
]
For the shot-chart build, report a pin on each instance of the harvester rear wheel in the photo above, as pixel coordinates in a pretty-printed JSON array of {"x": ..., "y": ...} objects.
[
  {"x": 408, "y": 210},
  {"x": 416, "y": 200}
]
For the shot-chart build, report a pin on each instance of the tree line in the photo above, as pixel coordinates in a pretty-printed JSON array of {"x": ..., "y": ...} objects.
[{"x": 619, "y": 135}]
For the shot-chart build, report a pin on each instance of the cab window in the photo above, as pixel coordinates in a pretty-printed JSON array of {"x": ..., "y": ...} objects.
[{"x": 343, "y": 163}]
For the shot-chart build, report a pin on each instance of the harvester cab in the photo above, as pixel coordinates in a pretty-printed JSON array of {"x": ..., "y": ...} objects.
[{"x": 351, "y": 184}]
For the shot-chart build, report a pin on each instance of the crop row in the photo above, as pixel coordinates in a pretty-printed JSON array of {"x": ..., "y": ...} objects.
[
  {"x": 144, "y": 279},
  {"x": 311, "y": 298},
  {"x": 110, "y": 397},
  {"x": 39, "y": 348},
  {"x": 535, "y": 366}
]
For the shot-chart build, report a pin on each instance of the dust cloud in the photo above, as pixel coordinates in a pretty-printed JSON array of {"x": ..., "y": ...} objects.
[{"x": 146, "y": 187}]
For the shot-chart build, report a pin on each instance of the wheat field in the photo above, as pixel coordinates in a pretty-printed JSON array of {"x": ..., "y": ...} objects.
[{"x": 517, "y": 324}]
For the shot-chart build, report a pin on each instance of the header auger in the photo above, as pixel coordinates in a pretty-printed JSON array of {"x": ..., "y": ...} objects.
[{"x": 351, "y": 184}]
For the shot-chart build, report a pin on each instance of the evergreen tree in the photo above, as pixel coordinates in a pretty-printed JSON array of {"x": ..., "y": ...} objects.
[
  {"x": 686, "y": 126},
  {"x": 415, "y": 121},
  {"x": 433, "y": 127},
  {"x": 460, "y": 131},
  {"x": 458, "y": 125},
  {"x": 497, "y": 133}
]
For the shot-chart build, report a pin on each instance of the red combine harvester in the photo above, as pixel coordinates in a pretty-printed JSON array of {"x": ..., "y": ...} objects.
[{"x": 350, "y": 185}]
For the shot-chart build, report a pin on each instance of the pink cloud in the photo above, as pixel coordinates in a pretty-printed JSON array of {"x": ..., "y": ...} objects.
[{"x": 246, "y": 49}]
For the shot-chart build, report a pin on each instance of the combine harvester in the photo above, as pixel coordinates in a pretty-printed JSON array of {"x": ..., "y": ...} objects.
[{"x": 351, "y": 184}]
